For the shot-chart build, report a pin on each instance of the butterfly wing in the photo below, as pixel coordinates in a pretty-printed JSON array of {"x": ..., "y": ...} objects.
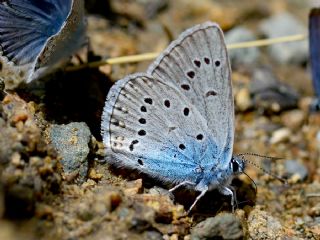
[
  {"x": 68, "y": 40},
  {"x": 197, "y": 64},
  {"x": 149, "y": 125},
  {"x": 314, "y": 45},
  {"x": 26, "y": 25}
]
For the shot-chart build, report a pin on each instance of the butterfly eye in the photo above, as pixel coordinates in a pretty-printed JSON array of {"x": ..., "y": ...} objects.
[{"x": 235, "y": 165}]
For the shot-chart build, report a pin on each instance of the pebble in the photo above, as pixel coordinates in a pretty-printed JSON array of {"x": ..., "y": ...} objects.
[
  {"x": 243, "y": 56},
  {"x": 293, "y": 119},
  {"x": 243, "y": 100},
  {"x": 280, "y": 135},
  {"x": 165, "y": 210},
  {"x": 99, "y": 204},
  {"x": 315, "y": 210},
  {"x": 296, "y": 170},
  {"x": 133, "y": 187},
  {"x": 261, "y": 225},
  {"x": 72, "y": 143},
  {"x": 152, "y": 235},
  {"x": 285, "y": 24},
  {"x": 223, "y": 226},
  {"x": 269, "y": 94}
]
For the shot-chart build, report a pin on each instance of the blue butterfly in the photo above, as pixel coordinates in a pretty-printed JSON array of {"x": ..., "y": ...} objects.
[
  {"x": 36, "y": 36},
  {"x": 176, "y": 121},
  {"x": 314, "y": 46}
]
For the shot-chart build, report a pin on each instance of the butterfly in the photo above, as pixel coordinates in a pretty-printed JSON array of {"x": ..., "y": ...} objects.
[
  {"x": 175, "y": 122},
  {"x": 314, "y": 36},
  {"x": 37, "y": 36}
]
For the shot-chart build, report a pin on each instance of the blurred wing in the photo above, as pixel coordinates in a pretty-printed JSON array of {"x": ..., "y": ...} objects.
[
  {"x": 26, "y": 25},
  {"x": 197, "y": 64},
  {"x": 68, "y": 40},
  {"x": 314, "y": 45},
  {"x": 149, "y": 125}
]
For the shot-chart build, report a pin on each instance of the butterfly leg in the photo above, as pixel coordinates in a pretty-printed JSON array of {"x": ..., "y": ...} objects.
[
  {"x": 181, "y": 184},
  {"x": 230, "y": 192},
  {"x": 203, "y": 192}
]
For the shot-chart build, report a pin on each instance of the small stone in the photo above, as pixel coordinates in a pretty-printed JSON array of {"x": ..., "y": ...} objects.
[
  {"x": 261, "y": 225},
  {"x": 133, "y": 187},
  {"x": 94, "y": 175},
  {"x": 271, "y": 95},
  {"x": 139, "y": 225},
  {"x": 243, "y": 101},
  {"x": 72, "y": 143},
  {"x": 285, "y": 24},
  {"x": 223, "y": 226},
  {"x": 280, "y": 135},
  {"x": 244, "y": 56},
  {"x": 315, "y": 210},
  {"x": 44, "y": 211},
  {"x": 152, "y": 235},
  {"x": 16, "y": 159},
  {"x": 295, "y": 170},
  {"x": 293, "y": 119},
  {"x": 21, "y": 116},
  {"x": 165, "y": 210}
]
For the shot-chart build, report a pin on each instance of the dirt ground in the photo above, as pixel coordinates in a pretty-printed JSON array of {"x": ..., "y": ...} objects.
[{"x": 40, "y": 200}]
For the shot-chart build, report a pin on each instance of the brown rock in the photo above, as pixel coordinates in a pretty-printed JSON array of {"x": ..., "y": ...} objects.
[
  {"x": 293, "y": 119},
  {"x": 261, "y": 225},
  {"x": 133, "y": 187}
]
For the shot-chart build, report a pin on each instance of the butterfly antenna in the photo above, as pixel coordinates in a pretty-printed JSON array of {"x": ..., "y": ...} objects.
[
  {"x": 262, "y": 169},
  {"x": 258, "y": 155}
]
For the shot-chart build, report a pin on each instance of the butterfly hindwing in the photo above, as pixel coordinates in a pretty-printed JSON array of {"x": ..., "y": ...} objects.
[{"x": 197, "y": 63}]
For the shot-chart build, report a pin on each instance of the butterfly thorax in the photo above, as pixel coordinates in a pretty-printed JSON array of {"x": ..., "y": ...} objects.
[{"x": 221, "y": 175}]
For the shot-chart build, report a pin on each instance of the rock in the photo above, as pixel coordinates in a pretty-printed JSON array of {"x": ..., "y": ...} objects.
[
  {"x": 223, "y": 226},
  {"x": 271, "y": 95},
  {"x": 245, "y": 56},
  {"x": 152, "y": 235},
  {"x": 133, "y": 187},
  {"x": 165, "y": 210},
  {"x": 139, "y": 225},
  {"x": 293, "y": 119},
  {"x": 72, "y": 143},
  {"x": 315, "y": 210},
  {"x": 28, "y": 166},
  {"x": 285, "y": 24},
  {"x": 243, "y": 100},
  {"x": 294, "y": 168},
  {"x": 261, "y": 225},
  {"x": 280, "y": 135}
]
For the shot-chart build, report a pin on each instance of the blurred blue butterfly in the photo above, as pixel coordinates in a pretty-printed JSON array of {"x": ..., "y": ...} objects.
[
  {"x": 35, "y": 36},
  {"x": 176, "y": 121},
  {"x": 314, "y": 46}
]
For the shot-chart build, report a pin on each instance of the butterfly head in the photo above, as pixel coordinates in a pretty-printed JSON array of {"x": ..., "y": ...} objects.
[{"x": 237, "y": 165}]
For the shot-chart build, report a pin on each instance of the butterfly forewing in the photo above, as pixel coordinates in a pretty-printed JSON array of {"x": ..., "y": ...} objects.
[
  {"x": 150, "y": 125},
  {"x": 71, "y": 36},
  {"x": 25, "y": 27},
  {"x": 197, "y": 63}
]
